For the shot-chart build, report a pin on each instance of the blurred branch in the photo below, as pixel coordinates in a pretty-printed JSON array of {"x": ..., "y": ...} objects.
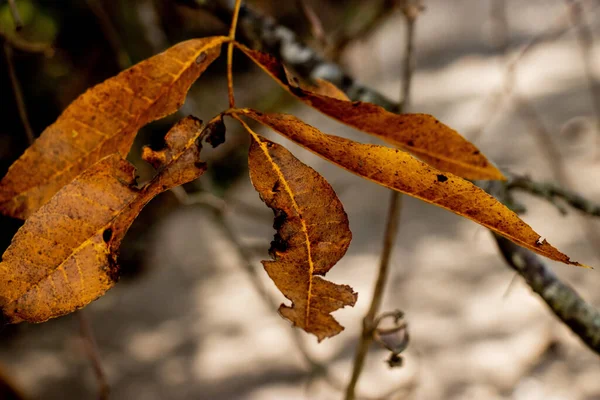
[
  {"x": 500, "y": 39},
  {"x": 16, "y": 42},
  {"x": 585, "y": 38},
  {"x": 582, "y": 318},
  {"x": 411, "y": 10},
  {"x": 369, "y": 23},
  {"x": 110, "y": 33},
  {"x": 14, "y": 12},
  {"x": 18, "y": 92},
  {"x": 87, "y": 334},
  {"x": 531, "y": 118},
  {"x": 316, "y": 26},
  {"x": 564, "y": 301},
  {"x": 552, "y": 192}
]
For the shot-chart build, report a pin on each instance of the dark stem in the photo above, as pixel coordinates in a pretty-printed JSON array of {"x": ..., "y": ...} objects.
[
  {"x": 585, "y": 37},
  {"x": 87, "y": 335},
  {"x": 18, "y": 93}
]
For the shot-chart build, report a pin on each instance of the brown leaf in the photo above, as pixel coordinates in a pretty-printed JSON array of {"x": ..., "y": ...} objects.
[
  {"x": 312, "y": 235},
  {"x": 64, "y": 256},
  {"x": 326, "y": 88},
  {"x": 102, "y": 121},
  {"x": 420, "y": 134},
  {"x": 397, "y": 170}
]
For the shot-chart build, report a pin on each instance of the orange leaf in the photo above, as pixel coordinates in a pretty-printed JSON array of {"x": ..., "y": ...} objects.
[
  {"x": 102, "y": 121},
  {"x": 312, "y": 235},
  {"x": 64, "y": 256},
  {"x": 397, "y": 170},
  {"x": 420, "y": 134}
]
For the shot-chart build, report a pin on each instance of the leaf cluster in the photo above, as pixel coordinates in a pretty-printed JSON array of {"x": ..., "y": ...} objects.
[{"x": 78, "y": 194}]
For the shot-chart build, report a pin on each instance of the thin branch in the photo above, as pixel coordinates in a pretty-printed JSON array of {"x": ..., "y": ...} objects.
[
  {"x": 552, "y": 192},
  {"x": 110, "y": 33},
  {"x": 585, "y": 38},
  {"x": 87, "y": 335},
  {"x": 14, "y": 11},
  {"x": 18, "y": 93},
  {"x": 316, "y": 26},
  {"x": 369, "y": 22},
  {"x": 18, "y": 43},
  {"x": 411, "y": 10}
]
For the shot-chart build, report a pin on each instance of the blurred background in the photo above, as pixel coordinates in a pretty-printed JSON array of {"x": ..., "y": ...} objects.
[{"x": 191, "y": 318}]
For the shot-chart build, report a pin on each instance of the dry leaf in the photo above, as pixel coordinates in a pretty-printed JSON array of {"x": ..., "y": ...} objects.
[
  {"x": 102, "y": 121},
  {"x": 64, "y": 256},
  {"x": 326, "y": 88},
  {"x": 420, "y": 134},
  {"x": 312, "y": 235},
  {"x": 399, "y": 171}
]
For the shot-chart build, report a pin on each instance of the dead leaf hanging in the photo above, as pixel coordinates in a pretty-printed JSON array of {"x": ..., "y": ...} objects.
[
  {"x": 102, "y": 121},
  {"x": 312, "y": 235},
  {"x": 419, "y": 134},
  {"x": 64, "y": 256},
  {"x": 400, "y": 171}
]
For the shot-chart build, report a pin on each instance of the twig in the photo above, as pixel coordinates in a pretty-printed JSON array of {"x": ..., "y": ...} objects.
[
  {"x": 92, "y": 351},
  {"x": 18, "y": 93},
  {"x": 585, "y": 38},
  {"x": 110, "y": 33},
  {"x": 411, "y": 10},
  {"x": 232, "y": 29},
  {"x": 316, "y": 26},
  {"x": 552, "y": 192},
  {"x": 16, "y": 42},
  {"x": 15, "y": 15},
  {"x": 369, "y": 23}
]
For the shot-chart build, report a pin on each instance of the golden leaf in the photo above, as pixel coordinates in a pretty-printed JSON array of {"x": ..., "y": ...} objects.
[
  {"x": 420, "y": 134},
  {"x": 397, "y": 170},
  {"x": 64, "y": 256},
  {"x": 102, "y": 121},
  {"x": 312, "y": 235}
]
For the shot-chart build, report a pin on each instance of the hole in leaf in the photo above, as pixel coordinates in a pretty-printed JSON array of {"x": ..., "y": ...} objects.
[{"x": 107, "y": 235}]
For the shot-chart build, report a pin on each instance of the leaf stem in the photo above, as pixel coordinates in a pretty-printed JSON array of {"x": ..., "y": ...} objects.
[
  {"x": 232, "y": 29},
  {"x": 411, "y": 9}
]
